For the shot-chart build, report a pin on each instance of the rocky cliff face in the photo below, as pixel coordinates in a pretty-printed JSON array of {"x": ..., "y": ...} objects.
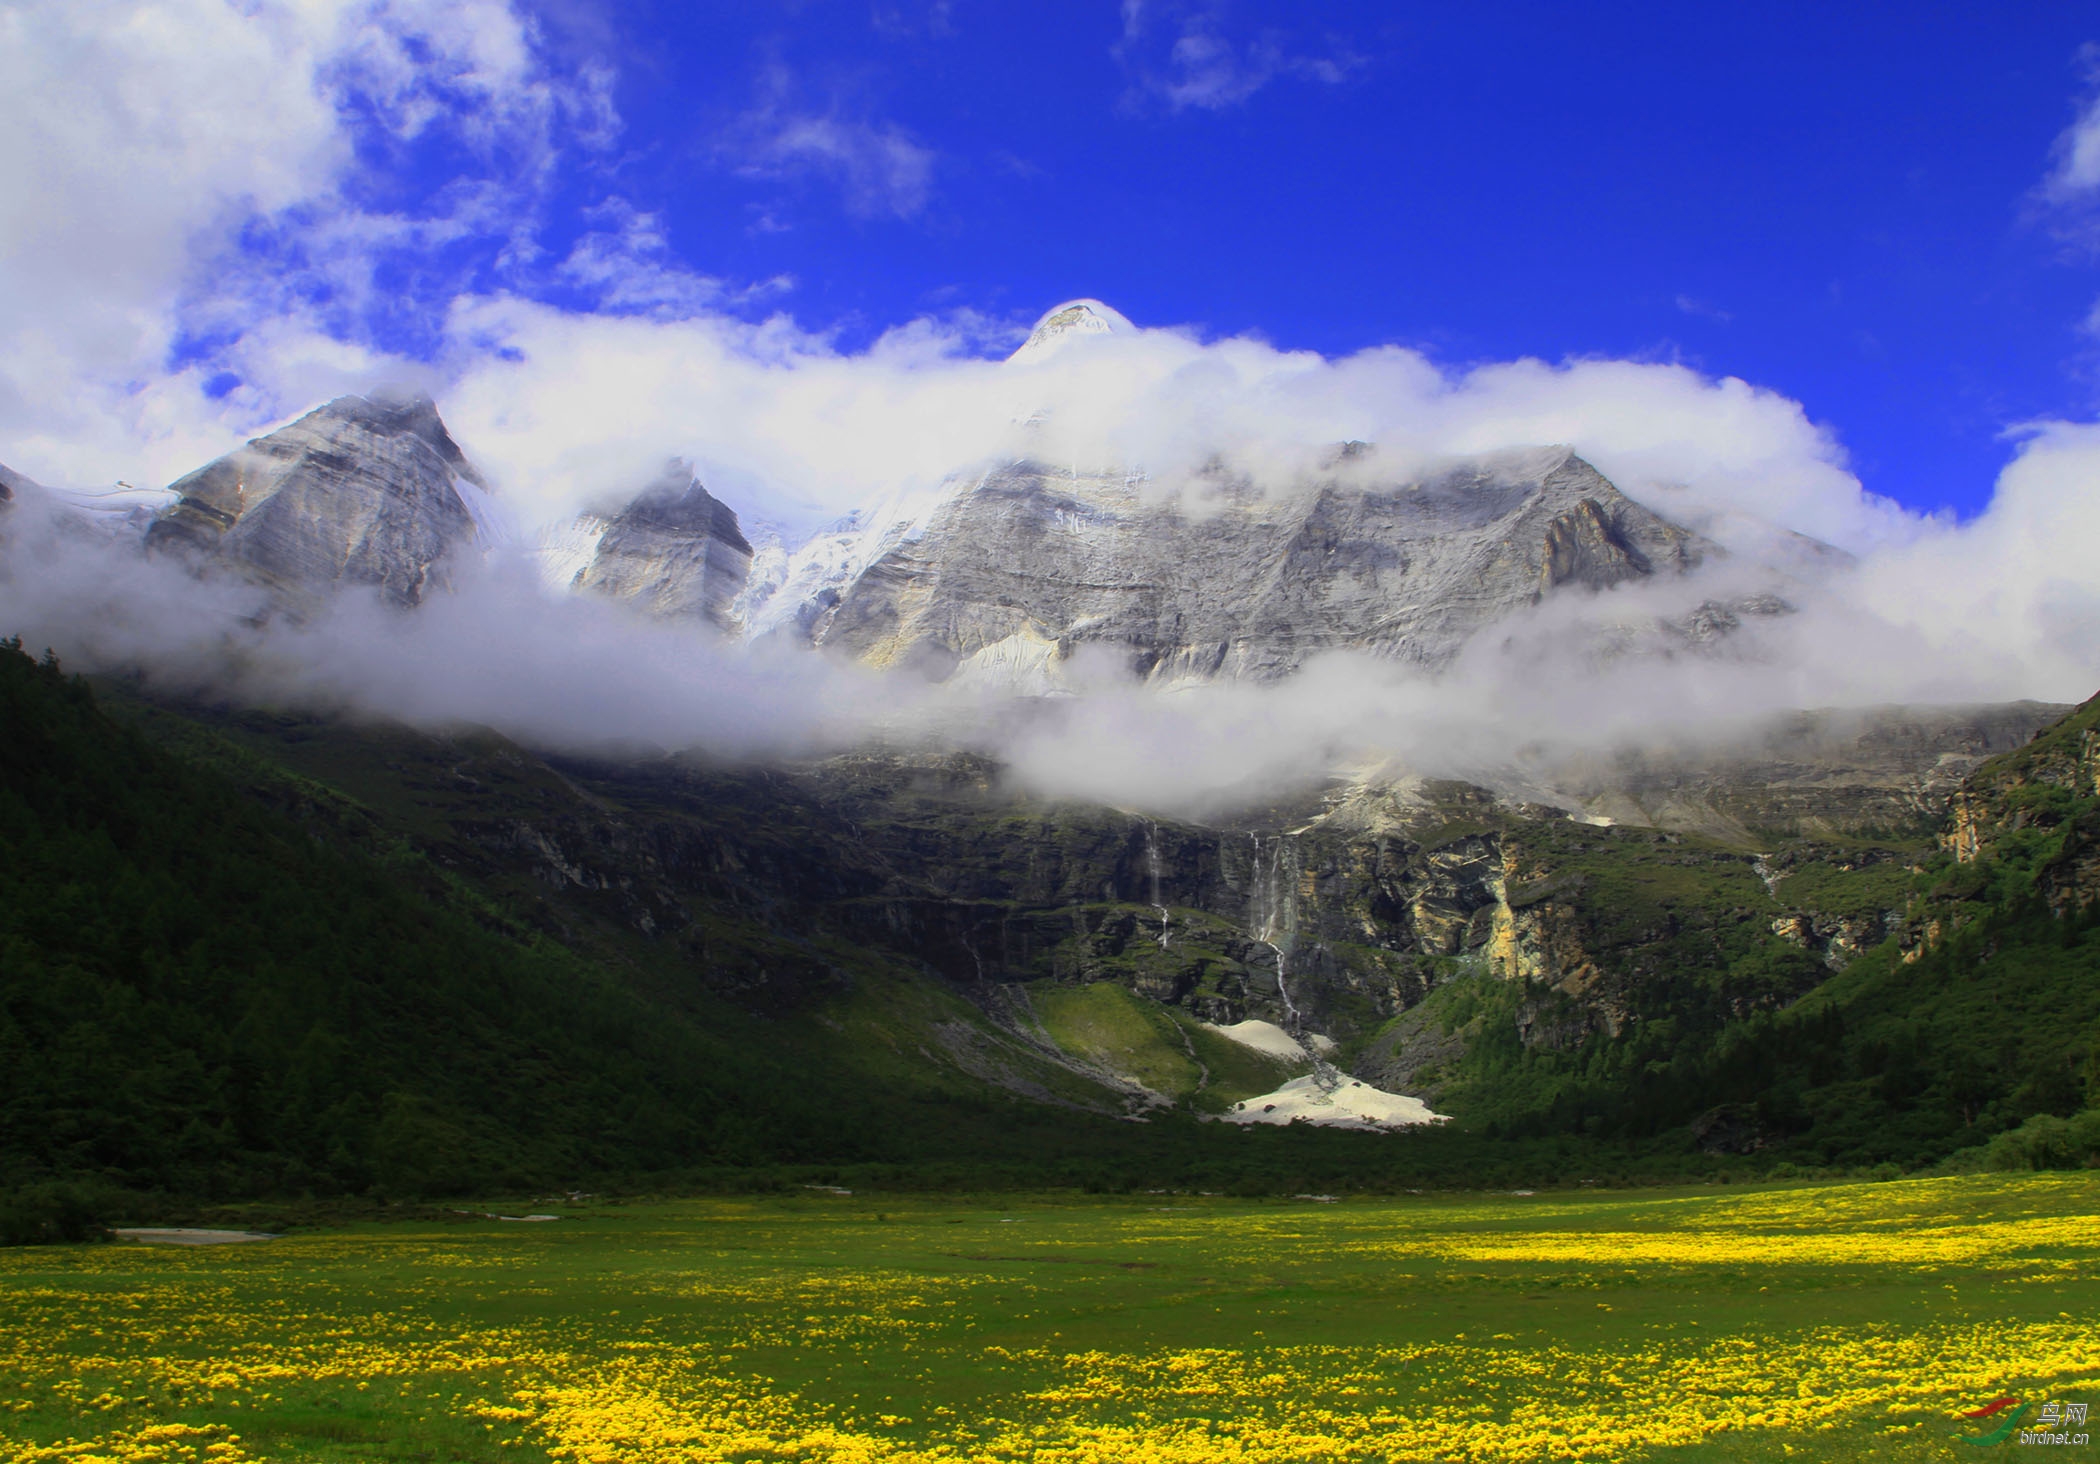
[
  {"x": 11, "y": 482},
  {"x": 1027, "y": 563},
  {"x": 358, "y": 492},
  {"x": 2036, "y": 808},
  {"x": 1812, "y": 774},
  {"x": 675, "y": 552}
]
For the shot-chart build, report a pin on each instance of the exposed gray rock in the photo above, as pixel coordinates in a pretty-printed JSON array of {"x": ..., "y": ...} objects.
[
  {"x": 362, "y": 491},
  {"x": 1028, "y": 562},
  {"x": 675, "y": 552},
  {"x": 12, "y": 482},
  {"x": 1797, "y": 773}
]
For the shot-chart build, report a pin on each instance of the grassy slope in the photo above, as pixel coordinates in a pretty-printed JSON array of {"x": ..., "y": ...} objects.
[
  {"x": 1833, "y": 1323},
  {"x": 1162, "y": 1047}
]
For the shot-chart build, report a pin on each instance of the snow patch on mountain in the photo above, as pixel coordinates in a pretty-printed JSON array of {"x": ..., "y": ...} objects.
[
  {"x": 1063, "y": 324},
  {"x": 792, "y": 590},
  {"x": 119, "y": 511},
  {"x": 491, "y": 525},
  {"x": 564, "y": 550},
  {"x": 1267, "y": 1037},
  {"x": 1024, "y": 664}
]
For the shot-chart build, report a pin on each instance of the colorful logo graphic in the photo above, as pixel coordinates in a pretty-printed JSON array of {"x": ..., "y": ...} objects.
[
  {"x": 2012, "y": 1408},
  {"x": 2050, "y": 1425}
]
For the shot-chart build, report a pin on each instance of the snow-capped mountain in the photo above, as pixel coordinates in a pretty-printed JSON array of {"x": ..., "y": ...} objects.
[
  {"x": 792, "y": 591},
  {"x": 1003, "y": 571},
  {"x": 1063, "y": 324}
]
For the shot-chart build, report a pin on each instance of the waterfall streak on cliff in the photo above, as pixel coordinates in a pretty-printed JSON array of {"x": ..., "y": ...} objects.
[
  {"x": 1272, "y": 914},
  {"x": 1152, "y": 864}
]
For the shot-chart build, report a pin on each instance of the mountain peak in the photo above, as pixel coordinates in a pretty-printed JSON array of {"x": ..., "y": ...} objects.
[
  {"x": 1074, "y": 318},
  {"x": 411, "y": 414},
  {"x": 678, "y": 502},
  {"x": 674, "y": 552},
  {"x": 367, "y": 490}
]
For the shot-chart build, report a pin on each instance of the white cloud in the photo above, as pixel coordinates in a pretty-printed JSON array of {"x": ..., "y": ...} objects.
[
  {"x": 628, "y": 267},
  {"x": 2071, "y": 188},
  {"x": 935, "y": 19},
  {"x": 2008, "y": 603},
  {"x": 176, "y": 171},
  {"x": 2075, "y": 176},
  {"x": 879, "y": 168},
  {"x": 1184, "y": 55},
  {"x": 567, "y": 408},
  {"x": 1692, "y": 305}
]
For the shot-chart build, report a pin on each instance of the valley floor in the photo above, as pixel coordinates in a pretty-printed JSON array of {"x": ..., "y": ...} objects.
[{"x": 1829, "y": 1322}]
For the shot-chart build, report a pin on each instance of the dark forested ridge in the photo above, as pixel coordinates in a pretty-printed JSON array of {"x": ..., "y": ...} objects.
[
  {"x": 200, "y": 997},
  {"x": 257, "y": 956}
]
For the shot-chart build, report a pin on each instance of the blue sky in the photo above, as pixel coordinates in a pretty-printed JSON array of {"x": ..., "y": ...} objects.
[{"x": 1837, "y": 202}]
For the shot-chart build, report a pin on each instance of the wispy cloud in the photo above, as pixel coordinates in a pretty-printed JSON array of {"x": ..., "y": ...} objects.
[
  {"x": 2074, "y": 175},
  {"x": 188, "y": 178},
  {"x": 626, "y": 266},
  {"x": 931, "y": 18},
  {"x": 880, "y": 168},
  {"x": 2069, "y": 193},
  {"x": 1182, "y": 54},
  {"x": 1705, "y": 310}
]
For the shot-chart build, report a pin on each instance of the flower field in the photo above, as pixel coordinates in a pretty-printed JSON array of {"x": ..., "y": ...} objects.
[{"x": 1830, "y": 1322}]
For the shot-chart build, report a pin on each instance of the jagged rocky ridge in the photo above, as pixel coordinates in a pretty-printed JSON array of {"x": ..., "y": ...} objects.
[
  {"x": 675, "y": 552},
  {"x": 1024, "y": 563},
  {"x": 362, "y": 491},
  {"x": 2041, "y": 797},
  {"x": 375, "y": 492},
  {"x": 1005, "y": 573}
]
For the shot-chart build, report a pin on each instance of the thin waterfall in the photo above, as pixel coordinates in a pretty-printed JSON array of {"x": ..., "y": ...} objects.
[
  {"x": 1272, "y": 916},
  {"x": 1152, "y": 865}
]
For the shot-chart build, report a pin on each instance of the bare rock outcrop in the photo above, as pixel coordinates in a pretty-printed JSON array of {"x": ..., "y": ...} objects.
[
  {"x": 1027, "y": 563},
  {"x": 675, "y": 552},
  {"x": 363, "y": 491}
]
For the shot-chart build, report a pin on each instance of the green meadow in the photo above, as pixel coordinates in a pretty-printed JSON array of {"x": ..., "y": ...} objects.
[{"x": 1833, "y": 1322}]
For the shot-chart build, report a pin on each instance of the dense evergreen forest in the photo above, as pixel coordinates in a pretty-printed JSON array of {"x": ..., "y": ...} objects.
[{"x": 202, "y": 999}]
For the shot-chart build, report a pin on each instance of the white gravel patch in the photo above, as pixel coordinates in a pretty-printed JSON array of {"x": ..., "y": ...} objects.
[
  {"x": 1269, "y": 1038},
  {"x": 1334, "y": 1100},
  {"x": 184, "y": 1235}
]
